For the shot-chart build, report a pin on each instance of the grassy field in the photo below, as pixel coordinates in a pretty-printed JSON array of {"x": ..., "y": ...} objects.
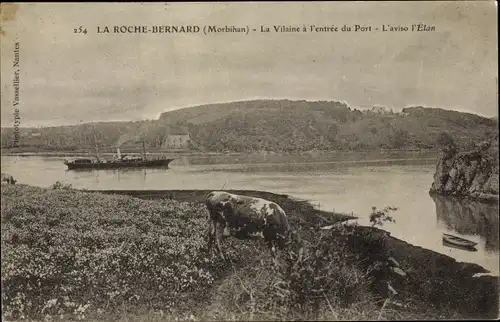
[{"x": 73, "y": 255}]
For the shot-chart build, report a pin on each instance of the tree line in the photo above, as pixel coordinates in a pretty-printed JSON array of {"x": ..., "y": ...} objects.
[{"x": 279, "y": 126}]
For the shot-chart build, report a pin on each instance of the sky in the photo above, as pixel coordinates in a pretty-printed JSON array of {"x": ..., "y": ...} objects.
[{"x": 67, "y": 78}]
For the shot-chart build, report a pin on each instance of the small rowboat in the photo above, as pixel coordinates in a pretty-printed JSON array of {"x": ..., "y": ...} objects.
[{"x": 458, "y": 241}]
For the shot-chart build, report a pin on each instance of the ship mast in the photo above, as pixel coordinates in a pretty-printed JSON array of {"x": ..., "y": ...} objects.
[
  {"x": 95, "y": 142},
  {"x": 143, "y": 151}
]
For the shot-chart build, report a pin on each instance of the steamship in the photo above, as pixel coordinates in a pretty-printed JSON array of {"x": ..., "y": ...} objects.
[{"x": 119, "y": 162}]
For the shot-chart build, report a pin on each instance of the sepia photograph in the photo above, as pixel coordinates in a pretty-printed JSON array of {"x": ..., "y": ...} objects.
[{"x": 249, "y": 161}]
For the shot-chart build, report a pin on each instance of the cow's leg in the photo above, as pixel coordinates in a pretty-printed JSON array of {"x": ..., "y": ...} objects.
[
  {"x": 219, "y": 229},
  {"x": 272, "y": 248},
  {"x": 270, "y": 237},
  {"x": 210, "y": 235}
]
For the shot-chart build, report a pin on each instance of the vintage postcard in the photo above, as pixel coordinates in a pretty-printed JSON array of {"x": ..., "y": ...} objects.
[{"x": 249, "y": 161}]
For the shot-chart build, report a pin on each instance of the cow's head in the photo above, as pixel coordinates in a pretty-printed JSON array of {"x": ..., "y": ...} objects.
[{"x": 224, "y": 207}]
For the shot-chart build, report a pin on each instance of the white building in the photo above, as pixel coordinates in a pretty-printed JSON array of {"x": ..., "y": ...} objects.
[{"x": 381, "y": 110}]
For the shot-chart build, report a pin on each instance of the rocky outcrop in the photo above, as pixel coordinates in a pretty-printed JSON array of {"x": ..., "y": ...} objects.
[{"x": 472, "y": 174}]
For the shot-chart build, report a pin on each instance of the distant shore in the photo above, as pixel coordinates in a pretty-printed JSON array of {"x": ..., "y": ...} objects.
[
  {"x": 10, "y": 152},
  {"x": 85, "y": 154}
]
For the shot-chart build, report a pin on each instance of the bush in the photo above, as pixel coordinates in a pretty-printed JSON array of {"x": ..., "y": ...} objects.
[
  {"x": 61, "y": 185},
  {"x": 312, "y": 281},
  {"x": 324, "y": 275},
  {"x": 379, "y": 217}
]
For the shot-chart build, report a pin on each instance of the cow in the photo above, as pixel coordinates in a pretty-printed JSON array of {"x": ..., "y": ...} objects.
[
  {"x": 245, "y": 217},
  {"x": 8, "y": 178}
]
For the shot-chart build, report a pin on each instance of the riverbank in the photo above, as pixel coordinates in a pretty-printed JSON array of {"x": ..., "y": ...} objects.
[
  {"x": 112, "y": 255},
  {"x": 293, "y": 207},
  {"x": 432, "y": 277}
]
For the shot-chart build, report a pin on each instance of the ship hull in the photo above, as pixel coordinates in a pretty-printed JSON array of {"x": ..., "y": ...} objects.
[{"x": 161, "y": 163}]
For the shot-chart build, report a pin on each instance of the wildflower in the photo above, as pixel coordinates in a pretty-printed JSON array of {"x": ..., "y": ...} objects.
[{"x": 49, "y": 304}]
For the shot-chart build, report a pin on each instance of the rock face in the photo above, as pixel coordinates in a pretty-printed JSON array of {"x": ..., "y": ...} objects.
[{"x": 471, "y": 174}]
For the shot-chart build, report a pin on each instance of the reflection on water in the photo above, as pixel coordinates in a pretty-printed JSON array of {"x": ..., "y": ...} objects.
[
  {"x": 316, "y": 157},
  {"x": 467, "y": 217},
  {"x": 129, "y": 178},
  {"x": 299, "y": 166}
]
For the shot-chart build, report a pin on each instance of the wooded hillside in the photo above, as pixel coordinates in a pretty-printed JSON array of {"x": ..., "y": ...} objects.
[{"x": 271, "y": 125}]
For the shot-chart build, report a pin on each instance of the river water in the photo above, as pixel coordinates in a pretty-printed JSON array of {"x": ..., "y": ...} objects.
[{"x": 332, "y": 184}]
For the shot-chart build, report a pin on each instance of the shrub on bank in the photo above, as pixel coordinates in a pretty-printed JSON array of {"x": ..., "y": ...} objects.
[{"x": 334, "y": 275}]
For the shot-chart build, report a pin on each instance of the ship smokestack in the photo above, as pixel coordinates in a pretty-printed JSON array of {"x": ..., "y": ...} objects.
[{"x": 118, "y": 153}]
